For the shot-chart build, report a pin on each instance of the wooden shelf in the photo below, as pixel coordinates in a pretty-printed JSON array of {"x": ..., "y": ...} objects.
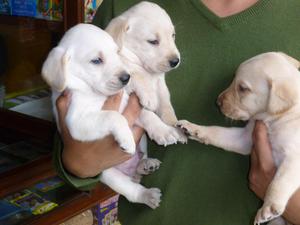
[
  {"x": 17, "y": 126},
  {"x": 80, "y": 203},
  {"x": 41, "y": 169},
  {"x": 54, "y": 26},
  {"x": 26, "y": 175}
]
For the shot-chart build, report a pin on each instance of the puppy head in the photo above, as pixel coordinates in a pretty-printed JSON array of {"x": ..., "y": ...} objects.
[
  {"x": 148, "y": 32},
  {"x": 85, "y": 59},
  {"x": 268, "y": 83}
]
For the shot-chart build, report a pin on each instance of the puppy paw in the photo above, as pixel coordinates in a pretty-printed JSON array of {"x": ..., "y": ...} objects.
[
  {"x": 167, "y": 135},
  {"x": 151, "y": 197},
  {"x": 182, "y": 138},
  {"x": 127, "y": 144},
  {"x": 268, "y": 212},
  {"x": 186, "y": 127},
  {"x": 193, "y": 131},
  {"x": 147, "y": 166}
]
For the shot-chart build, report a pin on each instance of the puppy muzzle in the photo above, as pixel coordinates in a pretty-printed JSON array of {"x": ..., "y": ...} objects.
[
  {"x": 124, "y": 78},
  {"x": 174, "y": 62}
]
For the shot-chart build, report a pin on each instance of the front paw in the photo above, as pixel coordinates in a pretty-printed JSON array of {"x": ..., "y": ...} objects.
[
  {"x": 182, "y": 137},
  {"x": 268, "y": 212},
  {"x": 127, "y": 144},
  {"x": 151, "y": 197},
  {"x": 193, "y": 131},
  {"x": 167, "y": 135},
  {"x": 147, "y": 166}
]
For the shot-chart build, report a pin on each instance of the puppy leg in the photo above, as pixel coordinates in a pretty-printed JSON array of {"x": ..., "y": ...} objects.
[
  {"x": 233, "y": 139},
  {"x": 134, "y": 192},
  {"x": 283, "y": 186},
  {"x": 165, "y": 109},
  {"x": 158, "y": 131},
  {"x": 145, "y": 167},
  {"x": 123, "y": 135},
  {"x": 145, "y": 92}
]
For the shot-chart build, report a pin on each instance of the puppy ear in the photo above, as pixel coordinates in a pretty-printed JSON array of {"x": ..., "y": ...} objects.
[
  {"x": 291, "y": 60},
  {"x": 117, "y": 28},
  {"x": 282, "y": 96},
  {"x": 54, "y": 69}
]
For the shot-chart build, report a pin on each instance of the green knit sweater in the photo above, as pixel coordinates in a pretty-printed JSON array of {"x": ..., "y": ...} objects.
[{"x": 203, "y": 185}]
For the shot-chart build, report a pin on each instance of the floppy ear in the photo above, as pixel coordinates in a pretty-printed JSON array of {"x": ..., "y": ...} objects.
[
  {"x": 54, "y": 69},
  {"x": 117, "y": 28},
  {"x": 293, "y": 61},
  {"x": 282, "y": 96}
]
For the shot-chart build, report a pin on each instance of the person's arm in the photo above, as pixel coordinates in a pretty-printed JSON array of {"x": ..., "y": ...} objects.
[
  {"x": 263, "y": 170},
  {"x": 88, "y": 159}
]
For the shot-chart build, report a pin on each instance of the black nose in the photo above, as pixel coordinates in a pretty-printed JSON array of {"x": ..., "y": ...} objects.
[
  {"x": 174, "y": 62},
  {"x": 124, "y": 78}
]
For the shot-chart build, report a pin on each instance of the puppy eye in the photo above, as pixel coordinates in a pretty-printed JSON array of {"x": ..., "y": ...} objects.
[
  {"x": 242, "y": 88},
  {"x": 173, "y": 36},
  {"x": 97, "y": 61},
  {"x": 153, "y": 42}
]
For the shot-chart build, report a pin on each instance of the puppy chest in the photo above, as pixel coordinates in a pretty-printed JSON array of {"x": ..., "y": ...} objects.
[{"x": 283, "y": 146}]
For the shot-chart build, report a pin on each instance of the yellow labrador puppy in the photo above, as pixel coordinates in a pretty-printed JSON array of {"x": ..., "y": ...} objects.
[
  {"x": 87, "y": 63},
  {"x": 146, "y": 37},
  {"x": 266, "y": 87}
]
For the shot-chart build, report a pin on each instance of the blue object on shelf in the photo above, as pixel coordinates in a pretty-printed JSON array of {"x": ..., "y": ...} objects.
[{"x": 23, "y": 8}]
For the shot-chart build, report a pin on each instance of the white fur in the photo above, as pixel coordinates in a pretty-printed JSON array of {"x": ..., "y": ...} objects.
[
  {"x": 147, "y": 64},
  {"x": 70, "y": 66},
  {"x": 267, "y": 88}
]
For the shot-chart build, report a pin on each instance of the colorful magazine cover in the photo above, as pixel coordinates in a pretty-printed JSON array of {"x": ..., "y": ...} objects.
[
  {"x": 90, "y": 8},
  {"x": 43, "y": 9},
  {"x": 49, "y": 184},
  {"x": 57, "y": 10},
  {"x": 23, "y": 7},
  {"x": 5, "y": 7},
  {"x": 11, "y": 214},
  {"x": 106, "y": 212},
  {"x": 28, "y": 200}
]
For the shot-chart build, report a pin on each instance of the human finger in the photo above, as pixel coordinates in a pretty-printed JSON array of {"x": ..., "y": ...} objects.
[
  {"x": 262, "y": 147},
  {"x": 132, "y": 110},
  {"x": 62, "y": 104},
  {"x": 113, "y": 102},
  {"x": 137, "y": 133}
]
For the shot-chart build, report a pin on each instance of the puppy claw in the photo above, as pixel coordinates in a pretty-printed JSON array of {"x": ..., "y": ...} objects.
[
  {"x": 183, "y": 129},
  {"x": 151, "y": 197},
  {"x": 184, "y": 125},
  {"x": 147, "y": 166},
  {"x": 268, "y": 212},
  {"x": 167, "y": 135},
  {"x": 127, "y": 145},
  {"x": 194, "y": 132}
]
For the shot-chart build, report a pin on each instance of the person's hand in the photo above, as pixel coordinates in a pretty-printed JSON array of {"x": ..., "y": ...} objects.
[
  {"x": 87, "y": 159},
  {"x": 263, "y": 167}
]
